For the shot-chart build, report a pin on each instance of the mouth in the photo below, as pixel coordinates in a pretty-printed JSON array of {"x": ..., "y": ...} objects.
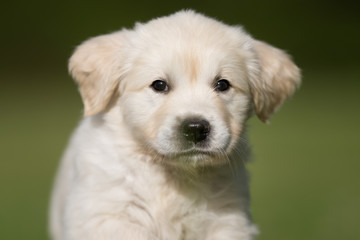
[
  {"x": 196, "y": 158},
  {"x": 193, "y": 153}
]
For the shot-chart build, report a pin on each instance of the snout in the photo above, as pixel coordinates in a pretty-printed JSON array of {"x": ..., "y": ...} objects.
[
  {"x": 192, "y": 136},
  {"x": 195, "y": 130}
]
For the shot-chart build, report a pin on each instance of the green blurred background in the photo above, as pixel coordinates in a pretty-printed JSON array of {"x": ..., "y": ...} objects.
[{"x": 305, "y": 179}]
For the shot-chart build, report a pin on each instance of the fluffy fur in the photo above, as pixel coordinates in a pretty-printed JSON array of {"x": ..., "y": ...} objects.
[{"x": 128, "y": 172}]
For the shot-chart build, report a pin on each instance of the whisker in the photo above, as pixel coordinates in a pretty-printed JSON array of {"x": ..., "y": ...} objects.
[{"x": 228, "y": 161}]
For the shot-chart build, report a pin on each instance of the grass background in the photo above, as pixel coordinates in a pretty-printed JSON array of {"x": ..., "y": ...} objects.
[{"x": 305, "y": 179}]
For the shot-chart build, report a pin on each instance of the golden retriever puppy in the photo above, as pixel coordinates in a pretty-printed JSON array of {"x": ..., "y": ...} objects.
[{"x": 161, "y": 152}]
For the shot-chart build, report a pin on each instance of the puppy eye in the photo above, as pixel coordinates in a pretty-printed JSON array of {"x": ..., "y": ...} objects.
[
  {"x": 222, "y": 85},
  {"x": 160, "y": 86}
]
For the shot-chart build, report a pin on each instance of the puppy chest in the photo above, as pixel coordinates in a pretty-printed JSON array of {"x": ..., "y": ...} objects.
[
  {"x": 177, "y": 212},
  {"x": 178, "y": 216}
]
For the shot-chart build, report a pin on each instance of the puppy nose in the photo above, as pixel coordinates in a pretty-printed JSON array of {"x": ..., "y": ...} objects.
[{"x": 195, "y": 130}]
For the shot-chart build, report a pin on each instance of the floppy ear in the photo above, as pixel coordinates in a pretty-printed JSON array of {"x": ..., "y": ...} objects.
[
  {"x": 96, "y": 66},
  {"x": 277, "y": 80}
]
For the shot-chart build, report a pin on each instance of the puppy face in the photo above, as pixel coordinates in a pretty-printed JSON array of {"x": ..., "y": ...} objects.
[
  {"x": 186, "y": 84},
  {"x": 187, "y": 99}
]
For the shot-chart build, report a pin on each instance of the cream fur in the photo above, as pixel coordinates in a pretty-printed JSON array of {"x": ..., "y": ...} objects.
[{"x": 127, "y": 172}]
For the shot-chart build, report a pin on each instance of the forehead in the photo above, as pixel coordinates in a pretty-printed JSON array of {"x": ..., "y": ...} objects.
[
  {"x": 193, "y": 57},
  {"x": 202, "y": 50}
]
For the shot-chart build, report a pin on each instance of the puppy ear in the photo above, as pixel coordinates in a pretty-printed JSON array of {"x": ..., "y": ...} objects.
[
  {"x": 96, "y": 67},
  {"x": 277, "y": 80}
]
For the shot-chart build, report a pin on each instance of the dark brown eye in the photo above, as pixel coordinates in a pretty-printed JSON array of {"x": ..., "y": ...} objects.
[
  {"x": 160, "y": 86},
  {"x": 222, "y": 85}
]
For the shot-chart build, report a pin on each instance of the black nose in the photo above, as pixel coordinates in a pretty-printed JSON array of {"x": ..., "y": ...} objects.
[{"x": 195, "y": 130}]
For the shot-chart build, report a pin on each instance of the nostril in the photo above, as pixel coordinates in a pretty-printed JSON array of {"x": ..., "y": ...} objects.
[{"x": 195, "y": 130}]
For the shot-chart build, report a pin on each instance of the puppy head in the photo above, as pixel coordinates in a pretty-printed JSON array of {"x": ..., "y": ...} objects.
[{"x": 186, "y": 84}]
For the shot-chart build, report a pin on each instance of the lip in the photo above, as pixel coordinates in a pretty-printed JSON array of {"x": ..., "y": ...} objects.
[{"x": 193, "y": 153}]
